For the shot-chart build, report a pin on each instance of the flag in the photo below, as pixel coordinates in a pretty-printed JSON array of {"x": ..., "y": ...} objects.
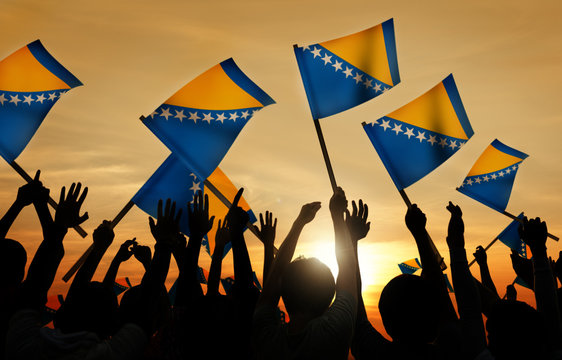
[
  {"x": 448, "y": 283},
  {"x": 410, "y": 266},
  {"x": 520, "y": 281},
  {"x": 173, "y": 180},
  {"x": 31, "y": 81},
  {"x": 491, "y": 178},
  {"x": 415, "y": 139},
  {"x": 54, "y": 302},
  {"x": 343, "y": 73},
  {"x": 121, "y": 285},
  {"x": 200, "y": 122},
  {"x": 510, "y": 237}
]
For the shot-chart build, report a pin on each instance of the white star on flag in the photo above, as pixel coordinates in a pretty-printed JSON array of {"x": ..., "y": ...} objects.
[
  {"x": 377, "y": 87},
  {"x": 245, "y": 114},
  {"x": 316, "y": 52},
  {"x": 507, "y": 171},
  {"x": 443, "y": 142},
  {"x": 385, "y": 124},
  {"x": 166, "y": 113},
  {"x": 347, "y": 72},
  {"x": 40, "y": 98},
  {"x": 409, "y": 132},
  {"x": 28, "y": 99},
  {"x": 195, "y": 187},
  {"x": 15, "y": 99},
  {"x": 154, "y": 113},
  {"x": 327, "y": 59},
  {"x": 221, "y": 117},
  {"x": 453, "y": 144},
  {"x": 432, "y": 140},
  {"x": 486, "y": 178},
  {"x": 477, "y": 180},
  {"x": 180, "y": 115},
  {"x": 368, "y": 83},
  {"x": 501, "y": 173},
  {"x": 208, "y": 117},
  {"x": 421, "y": 136},
  {"x": 52, "y": 96},
  {"x": 337, "y": 65},
  {"x": 397, "y": 129},
  {"x": 514, "y": 167},
  {"x": 469, "y": 181},
  {"x": 233, "y": 116},
  {"x": 358, "y": 78},
  {"x": 494, "y": 176},
  {"x": 2, "y": 99},
  {"x": 193, "y": 116}
]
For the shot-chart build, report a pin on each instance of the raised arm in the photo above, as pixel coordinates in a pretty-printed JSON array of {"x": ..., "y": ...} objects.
[
  {"x": 123, "y": 254},
  {"x": 468, "y": 300},
  {"x": 237, "y": 219},
  {"x": 485, "y": 277},
  {"x": 272, "y": 287},
  {"x": 222, "y": 237},
  {"x": 533, "y": 232},
  {"x": 266, "y": 234}
]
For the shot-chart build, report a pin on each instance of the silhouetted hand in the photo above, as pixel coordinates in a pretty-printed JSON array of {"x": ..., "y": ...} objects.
[
  {"x": 166, "y": 227},
  {"x": 68, "y": 209},
  {"x": 338, "y": 202},
  {"x": 480, "y": 256},
  {"x": 143, "y": 254},
  {"x": 356, "y": 222},
  {"x": 237, "y": 217},
  {"x": 523, "y": 268},
  {"x": 222, "y": 236},
  {"x": 415, "y": 219},
  {"x": 198, "y": 215},
  {"x": 126, "y": 250},
  {"x": 266, "y": 232},
  {"x": 104, "y": 235},
  {"x": 533, "y": 232},
  {"x": 511, "y": 293},
  {"x": 455, "y": 237},
  {"x": 32, "y": 192},
  {"x": 308, "y": 212}
]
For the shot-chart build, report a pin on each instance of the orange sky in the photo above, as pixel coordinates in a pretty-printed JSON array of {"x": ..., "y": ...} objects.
[{"x": 132, "y": 55}]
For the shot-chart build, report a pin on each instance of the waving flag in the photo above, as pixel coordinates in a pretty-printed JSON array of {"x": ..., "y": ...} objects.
[
  {"x": 121, "y": 285},
  {"x": 342, "y": 73},
  {"x": 410, "y": 266},
  {"x": 415, "y": 139},
  {"x": 510, "y": 237},
  {"x": 31, "y": 81},
  {"x": 491, "y": 178},
  {"x": 520, "y": 281},
  {"x": 173, "y": 180},
  {"x": 200, "y": 122}
]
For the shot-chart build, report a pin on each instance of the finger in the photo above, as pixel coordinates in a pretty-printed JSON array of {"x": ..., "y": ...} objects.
[
  {"x": 159, "y": 209},
  {"x": 37, "y": 174},
  {"x": 270, "y": 218},
  {"x": 151, "y": 224},
  {"x": 261, "y": 220},
  {"x": 62, "y": 194},
  {"x": 219, "y": 224},
  {"x": 167, "y": 207},
  {"x": 361, "y": 210},
  {"x": 83, "y": 196},
  {"x": 275, "y": 224},
  {"x": 347, "y": 214},
  {"x": 211, "y": 220},
  {"x": 173, "y": 209},
  {"x": 76, "y": 191},
  {"x": 206, "y": 208},
  {"x": 178, "y": 216},
  {"x": 237, "y": 197},
  {"x": 71, "y": 190},
  {"x": 354, "y": 206},
  {"x": 366, "y": 213}
]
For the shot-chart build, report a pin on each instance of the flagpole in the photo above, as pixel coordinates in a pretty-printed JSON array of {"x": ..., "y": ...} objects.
[
  {"x": 70, "y": 273},
  {"x": 325, "y": 154},
  {"x": 513, "y": 283},
  {"x": 51, "y": 202},
  {"x": 509, "y": 215},
  {"x": 440, "y": 258},
  {"x": 485, "y": 249}
]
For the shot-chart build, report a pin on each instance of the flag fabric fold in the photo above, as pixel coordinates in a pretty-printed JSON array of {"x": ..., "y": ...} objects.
[
  {"x": 342, "y": 73},
  {"x": 510, "y": 237},
  {"x": 31, "y": 82},
  {"x": 200, "y": 122},
  {"x": 173, "y": 180},
  {"x": 491, "y": 178},
  {"x": 415, "y": 139}
]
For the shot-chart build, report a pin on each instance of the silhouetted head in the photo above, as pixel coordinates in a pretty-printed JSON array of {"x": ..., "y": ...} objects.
[
  {"x": 515, "y": 331},
  {"x": 93, "y": 308},
  {"x": 409, "y": 308},
  {"x": 307, "y": 287},
  {"x": 511, "y": 293},
  {"x": 12, "y": 263},
  {"x": 133, "y": 306}
]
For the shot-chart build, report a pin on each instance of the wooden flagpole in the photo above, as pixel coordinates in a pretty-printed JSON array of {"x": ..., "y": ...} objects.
[
  {"x": 440, "y": 258},
  {"x": 70, "y": 273},
  {"x": 51, "y": 202},
  {"x": 325, "y": 154},
  {"x": 509, "y": 215}
]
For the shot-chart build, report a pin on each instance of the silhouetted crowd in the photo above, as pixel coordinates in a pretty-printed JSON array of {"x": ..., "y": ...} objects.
[{"x": 326, "y": 316}]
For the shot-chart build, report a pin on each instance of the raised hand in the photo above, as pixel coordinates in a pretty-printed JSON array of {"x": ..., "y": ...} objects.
[
  {"x": 266, "y": 232},
  {"x": 357, "y": 221},
  {"x": 415, "y": 219},
  {"x": 103, "y": 235},
  {"x": 32, "y": 192},
  {"x": 533, "y": 232},
  {"x": 222, "y": 236},
  {"x": 338, "y": 202},
  {"x": 143, "y": 254},
  {"x": 166, "y": 227},
  {"x": 68, "y": 209},
  {"x": 455, "y": 237},
  {"x": 198, "y": 215},
  {"x": 308, "y": 212},
  {"x": 237, "y": 217},
  {"x": 126, "y": 250},
  {"x": 481, "y": 256}
]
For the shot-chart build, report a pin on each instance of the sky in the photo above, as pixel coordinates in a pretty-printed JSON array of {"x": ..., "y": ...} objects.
[{"x": 133, "y": 55}]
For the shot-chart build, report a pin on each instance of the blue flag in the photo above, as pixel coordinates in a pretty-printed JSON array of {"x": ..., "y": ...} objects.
[
  {"x": 510, "y": 237},
  {"x": 410, "y": 266},
  {"x": 490, "y": 180},
  {"x": 415, "y": 139},
  {"x": 200, "y": 122},
  {"x": 31, "y": 82},
  {"x": 343, "y": 73}
]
